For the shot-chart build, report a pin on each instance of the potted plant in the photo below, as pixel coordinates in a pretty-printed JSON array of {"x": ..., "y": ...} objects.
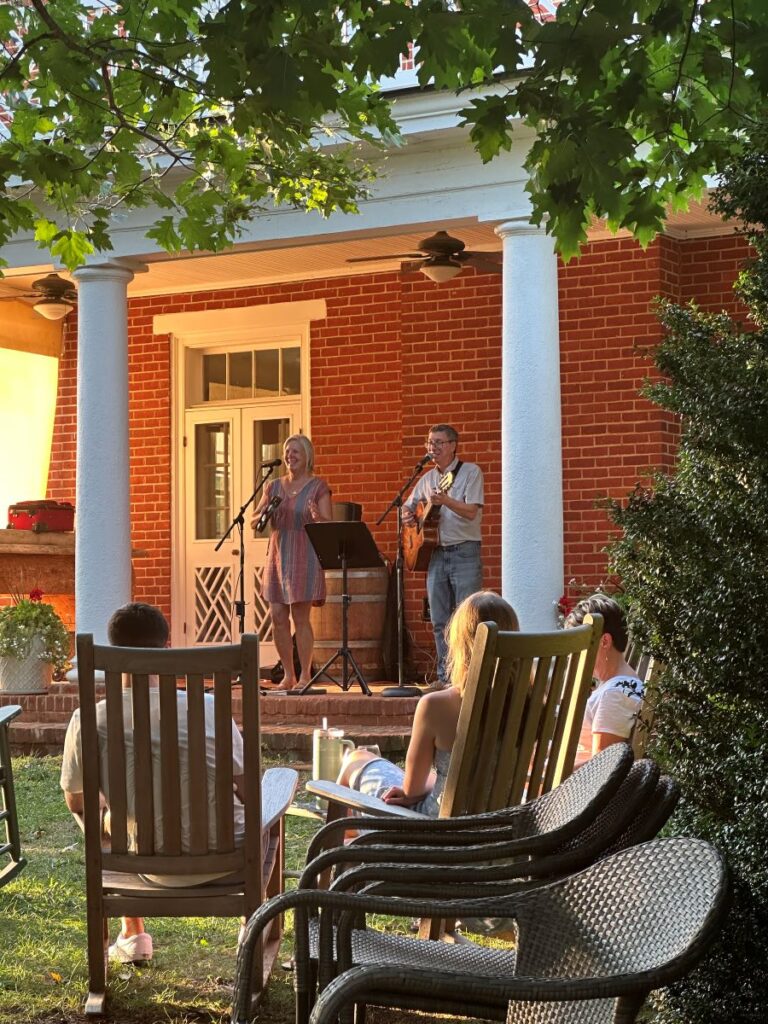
[{"x": 33, "y": 644}]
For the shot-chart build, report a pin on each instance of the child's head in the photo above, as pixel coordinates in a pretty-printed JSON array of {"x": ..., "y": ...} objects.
[
  {"x": 614, "y": 621},
  {"x": 138, "y": 625},
  {"x": 482, "y": 606}
]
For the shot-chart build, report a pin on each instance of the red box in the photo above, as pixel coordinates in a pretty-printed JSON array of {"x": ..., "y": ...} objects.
[{"x": 42, "y": 516}]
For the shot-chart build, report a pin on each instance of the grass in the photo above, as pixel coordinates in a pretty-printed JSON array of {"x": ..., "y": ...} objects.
[{"x": 43, "y": 972}]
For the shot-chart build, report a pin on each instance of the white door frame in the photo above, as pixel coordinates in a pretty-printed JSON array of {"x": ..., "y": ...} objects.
[{"x": 226, "y": 328}]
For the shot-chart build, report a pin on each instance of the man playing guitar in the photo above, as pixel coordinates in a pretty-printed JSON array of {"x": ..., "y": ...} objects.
[{"x": 455, "y": 567}]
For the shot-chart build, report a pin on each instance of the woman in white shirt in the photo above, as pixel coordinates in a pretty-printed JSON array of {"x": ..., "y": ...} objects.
[{"x": 614, "y": 704}]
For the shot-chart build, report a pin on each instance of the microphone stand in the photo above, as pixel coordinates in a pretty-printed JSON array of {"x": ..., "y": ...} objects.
[
  {"x": 239, "y": 522},
  {"x": 401, "y": 690}
]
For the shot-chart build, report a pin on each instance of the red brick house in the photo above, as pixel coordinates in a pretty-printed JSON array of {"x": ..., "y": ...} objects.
[{"x": 186, "y": 373}]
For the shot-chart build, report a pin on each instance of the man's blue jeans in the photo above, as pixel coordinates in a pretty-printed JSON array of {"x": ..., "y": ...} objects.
[{"x": 455, "y": 572}]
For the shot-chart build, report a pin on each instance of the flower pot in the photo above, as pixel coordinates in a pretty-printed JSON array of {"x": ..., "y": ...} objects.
[{"x": 26, "y": 675}]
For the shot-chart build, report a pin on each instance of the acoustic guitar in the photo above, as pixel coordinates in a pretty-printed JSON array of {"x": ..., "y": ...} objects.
[{"x": 420, "y": 538}]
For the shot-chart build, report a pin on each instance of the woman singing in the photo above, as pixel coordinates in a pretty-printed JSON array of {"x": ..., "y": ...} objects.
[{"x": 293, "y": 578}]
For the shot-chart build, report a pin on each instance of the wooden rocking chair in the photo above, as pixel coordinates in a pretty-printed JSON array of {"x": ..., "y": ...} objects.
[{"x": 132, "y": 752}]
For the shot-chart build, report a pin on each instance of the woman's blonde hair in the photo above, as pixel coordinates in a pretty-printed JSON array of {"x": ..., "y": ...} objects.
[
  {"x": 309, "y": 449},
  {"x": 482, "y": 606}
]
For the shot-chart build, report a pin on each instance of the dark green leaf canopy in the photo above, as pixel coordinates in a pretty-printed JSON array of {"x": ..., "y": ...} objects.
[{"x": 216, "y": 110}]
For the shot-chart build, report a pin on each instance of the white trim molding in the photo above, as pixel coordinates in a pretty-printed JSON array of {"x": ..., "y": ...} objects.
[{"x": 217, "y": 326}]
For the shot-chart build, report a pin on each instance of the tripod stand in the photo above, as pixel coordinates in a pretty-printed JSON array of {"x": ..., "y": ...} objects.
[
  {"x": 267, "y": 469},
  {"x": 343, "y": 546},
  {"x": 401, "y": 690}
]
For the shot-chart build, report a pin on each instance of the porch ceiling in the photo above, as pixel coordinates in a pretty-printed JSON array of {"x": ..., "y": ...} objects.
[{"x": 256, "y": 264}]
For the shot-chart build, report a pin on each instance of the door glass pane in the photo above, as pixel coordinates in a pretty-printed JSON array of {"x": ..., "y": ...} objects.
[
  {"x": 240, "y": 375},
  {"x": 212, "y": 479},
  {"x": 214, "y": 378},
  {"x": 267, "y": 373},
  {"x": 291, "y": 371},
  {"x": 268, "y": 439}
]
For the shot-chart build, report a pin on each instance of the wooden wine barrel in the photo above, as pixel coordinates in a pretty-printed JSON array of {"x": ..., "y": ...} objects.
[
  {"x": 368, "y": 590},
  {"x": 347, "y": 511}
]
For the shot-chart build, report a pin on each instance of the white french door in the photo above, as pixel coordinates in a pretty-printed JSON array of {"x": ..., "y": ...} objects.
[{"x": 224, "y": 448}]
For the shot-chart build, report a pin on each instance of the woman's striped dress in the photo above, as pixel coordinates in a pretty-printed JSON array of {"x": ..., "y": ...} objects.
[{"x": 292, "y": 572}]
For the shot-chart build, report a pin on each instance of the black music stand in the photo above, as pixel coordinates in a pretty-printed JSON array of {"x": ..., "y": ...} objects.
[{"x": 343, "y": 546}]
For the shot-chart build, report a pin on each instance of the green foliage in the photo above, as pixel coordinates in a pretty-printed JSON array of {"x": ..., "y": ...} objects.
[
  {"x": 215, "y": 111},
  {"x": 29, "y": 619},
  {"x": 693, "y": 564}
]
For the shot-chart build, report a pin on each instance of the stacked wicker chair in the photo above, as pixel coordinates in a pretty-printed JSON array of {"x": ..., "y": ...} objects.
[
  {"x": 589, "y": 947},
  {"x": 484, "y": 859}
]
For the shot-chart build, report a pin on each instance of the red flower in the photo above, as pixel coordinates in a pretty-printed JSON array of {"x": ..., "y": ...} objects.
[
  {"x": 36, "y": 594},
  {"x": 565, "y": 605}
]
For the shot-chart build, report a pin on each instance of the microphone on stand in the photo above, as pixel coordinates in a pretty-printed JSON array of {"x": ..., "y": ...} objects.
[
  {"x": 273, "y": 464},
  {"x": 423, "y": 461}
]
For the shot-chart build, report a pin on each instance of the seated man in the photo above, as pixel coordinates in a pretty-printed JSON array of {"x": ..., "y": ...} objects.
[
  {"x": 142, "y": 625},
  {"x": 613, "y": 706}
]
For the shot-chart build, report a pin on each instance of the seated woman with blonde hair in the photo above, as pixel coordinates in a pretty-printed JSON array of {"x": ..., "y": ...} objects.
[{"x": 435, "y": 722}]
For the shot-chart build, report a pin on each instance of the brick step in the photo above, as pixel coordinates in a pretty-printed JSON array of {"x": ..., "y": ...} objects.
[
  {"x": 343, "y": 709},
  {"x": 27, "y": 737},
  {"x": 36, "y": 737},
  {"x": 391, "y": 740}
]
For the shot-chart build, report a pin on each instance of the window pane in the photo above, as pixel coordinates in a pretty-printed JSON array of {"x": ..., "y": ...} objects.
[
  {"x": 240, "y": 379},
  {"x": 212, "y": 480},
  {"x": 214, "y": 378},
  {"x": 268, "y": 439},
  {"x": 267, "y": 381},
  {"x": 291, "y": 371}
]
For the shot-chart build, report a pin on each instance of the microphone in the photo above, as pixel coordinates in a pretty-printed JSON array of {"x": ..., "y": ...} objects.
[
  {"x": 267, "y": 513},
  {"x": 424, "y": 460},
  {"x": 272, "y": 465}
]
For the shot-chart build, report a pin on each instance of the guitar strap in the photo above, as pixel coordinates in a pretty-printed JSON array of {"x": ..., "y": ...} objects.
[{"x": 459, "y": 464}]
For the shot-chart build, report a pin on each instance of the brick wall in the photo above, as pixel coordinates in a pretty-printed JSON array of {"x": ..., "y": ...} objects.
[
  {"x": 610, "y": 434},
  {"x": 396, "y": 353},
  {"x": 393, "y": 355}
]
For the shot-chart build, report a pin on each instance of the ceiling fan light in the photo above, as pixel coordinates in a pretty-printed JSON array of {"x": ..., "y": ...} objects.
[
  {"x": 441, "y": 270},
  {"x": 53, "y": 309}
]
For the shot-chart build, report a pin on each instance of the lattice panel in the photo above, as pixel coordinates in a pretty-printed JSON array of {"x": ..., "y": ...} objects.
[
  {"x": 262, "y": 621},
  {"x": 213, "y": 604}
]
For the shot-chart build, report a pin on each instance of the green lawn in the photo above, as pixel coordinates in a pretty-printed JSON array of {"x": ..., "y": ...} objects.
[
  {"x": 43, "y": 975},
  {"x": 42, "y": 932}
]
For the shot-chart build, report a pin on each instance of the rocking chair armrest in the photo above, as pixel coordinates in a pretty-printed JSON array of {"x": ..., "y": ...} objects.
[
  {"x": 350, "y": 798},
  {"x": 278, "y": 788},
  {"x": 8, "y": 713}
]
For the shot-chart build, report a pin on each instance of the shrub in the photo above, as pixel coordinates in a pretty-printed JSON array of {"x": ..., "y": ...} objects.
[{"x": 693, "y": 560}]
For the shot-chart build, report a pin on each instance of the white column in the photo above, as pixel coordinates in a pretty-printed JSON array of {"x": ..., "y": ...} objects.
[
  {"x": 531, "y": 481},
  {"x": 103, "y": 529}
]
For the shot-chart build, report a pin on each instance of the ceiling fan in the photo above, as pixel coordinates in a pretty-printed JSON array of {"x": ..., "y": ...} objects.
[
  {"x": 440, "y": 257},
  {"x": 54, "y": 296}
]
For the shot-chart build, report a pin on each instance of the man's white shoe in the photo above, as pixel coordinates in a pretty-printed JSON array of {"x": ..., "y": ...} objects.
[{"x": 132, "y": 949}]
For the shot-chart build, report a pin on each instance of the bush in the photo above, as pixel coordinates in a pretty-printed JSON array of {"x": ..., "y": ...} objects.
[{"x": 693, "y": 560}]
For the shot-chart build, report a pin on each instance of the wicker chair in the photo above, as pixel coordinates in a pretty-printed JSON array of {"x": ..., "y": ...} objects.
[
  {"x": 590, "y": 947},
  {"x": 550, "y": 822},
  {"x": 496, "y": 868},
  {"x": 496, "y": 854},
  {"x": 541, "y": 825},
  {"x": 10, "y": 842}
]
